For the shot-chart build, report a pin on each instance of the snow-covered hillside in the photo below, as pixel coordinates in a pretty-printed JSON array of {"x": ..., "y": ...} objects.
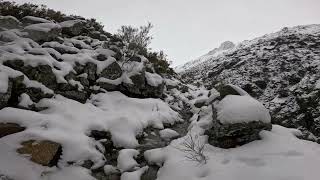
[
  {"x": 74, "y": 106},
  {"x": 281, "y": 69}
]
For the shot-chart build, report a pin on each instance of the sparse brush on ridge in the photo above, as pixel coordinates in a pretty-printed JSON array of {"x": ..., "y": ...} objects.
[{"x": 137, "y": 40}]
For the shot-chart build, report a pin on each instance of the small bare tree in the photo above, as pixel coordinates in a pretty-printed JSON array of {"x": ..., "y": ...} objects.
[
  {"x": 136, "y": 39},
  {"x": 193, "y": 148}
]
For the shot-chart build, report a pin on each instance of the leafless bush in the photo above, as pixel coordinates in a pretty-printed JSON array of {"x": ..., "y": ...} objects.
[{"x": 193, "y": 148}]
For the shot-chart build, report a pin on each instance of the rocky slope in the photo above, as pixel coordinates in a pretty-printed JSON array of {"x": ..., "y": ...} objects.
[
  {"x": 70, "y": 97},
  {"x": 280, "y": 69}
]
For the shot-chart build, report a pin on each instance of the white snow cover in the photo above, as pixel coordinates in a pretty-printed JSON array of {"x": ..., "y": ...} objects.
[
  {"x": 71, "y": 173},
  {"x": 278, "y": 156},
  {"x": 135, "y": 175},
  {"x": 168, "y": 133},
  {"x": 153, "y": 79},
  {"x": 24, "y": 100},
  {"x": 132, "y": 115},
  {"x": 76, "y": 83},
  {"x": 126, "y": 159},
  {"x": 238, "y": 109},
  {"x": 109, "y": 169},
  {"x": 69, "y": 122}
]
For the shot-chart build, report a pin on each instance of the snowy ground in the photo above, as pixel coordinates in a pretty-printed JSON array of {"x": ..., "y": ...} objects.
[{"x": 278, "y": 156}]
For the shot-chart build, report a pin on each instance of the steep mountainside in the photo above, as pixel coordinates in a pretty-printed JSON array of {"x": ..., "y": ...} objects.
[{"x": 281, "y": 69}]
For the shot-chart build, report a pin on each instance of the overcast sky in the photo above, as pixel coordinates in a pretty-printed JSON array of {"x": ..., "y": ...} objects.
[{"x": 187, "y": 29}]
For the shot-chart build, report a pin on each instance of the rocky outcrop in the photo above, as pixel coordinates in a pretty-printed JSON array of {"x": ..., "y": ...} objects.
[
  {"x": 46, "y": 153},
  {"x": 43, "y": 31},
  {"x": 9, "y": 22},
  {"x": 279, "y": 69}
]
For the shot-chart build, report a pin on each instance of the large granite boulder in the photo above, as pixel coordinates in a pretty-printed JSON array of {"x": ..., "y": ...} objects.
[
  {"x": 237, "y": 120},
  {"x": 9, "y": 22},
  {"x": 43, "y": 31},
  {"x": 73, "y": 27},
  {"x": 46, "y": 153},
  {"x": 28, "y": 20}
]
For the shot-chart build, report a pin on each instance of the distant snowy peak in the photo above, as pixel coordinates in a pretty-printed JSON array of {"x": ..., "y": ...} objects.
[
  {"x": 224, "y": 47},
  {"x": 227, "y": 45}
]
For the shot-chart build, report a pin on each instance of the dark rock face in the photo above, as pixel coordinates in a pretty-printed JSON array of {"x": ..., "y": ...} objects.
[
  {"x": 113, "y": 71},
  {"x": 151, "y": 173},
  {"x": 41, "y": 73},
  {"x": 199, "y": 104},
  {"x": 154, "y": 91},
  {"x": 138, "y": 85},
  {"x": 91, "y": 70},
  {"x": 10, "y": 128},
  {"x": 135, "y": 58},
  {"x": 225, "y": 90},
  {"x": 233, "y": 135},
  {"x": 73, "y": 27},
  {"x": 72, "y": 92},
  {"x": 46, "y": 153}
]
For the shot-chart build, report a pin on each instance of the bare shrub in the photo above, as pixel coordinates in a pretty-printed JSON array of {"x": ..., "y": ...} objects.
[{"x": 193, "y": 149}]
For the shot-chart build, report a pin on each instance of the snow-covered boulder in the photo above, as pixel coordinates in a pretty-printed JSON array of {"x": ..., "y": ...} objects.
[
  {"x": 72, "y": 27},
  {"x": 27, "y": 20},
  {"x": 237, "y": 120},
  {"x": 43, "y": 31},
  {"x": 9, "y": 22}
]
